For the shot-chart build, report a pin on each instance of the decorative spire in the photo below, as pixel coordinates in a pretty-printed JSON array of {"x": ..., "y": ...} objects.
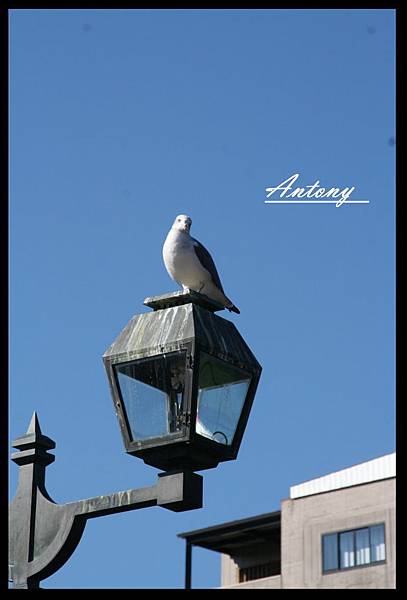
[
  {"x": 34, "y": 426},
  {"x": 33, "y": 446}
]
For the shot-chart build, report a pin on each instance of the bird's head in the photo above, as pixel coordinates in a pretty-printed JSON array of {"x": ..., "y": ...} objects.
[{"x": 182, "y": 223}]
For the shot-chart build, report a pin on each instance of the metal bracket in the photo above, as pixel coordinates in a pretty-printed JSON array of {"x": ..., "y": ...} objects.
[{"x": 44, "y": 534}]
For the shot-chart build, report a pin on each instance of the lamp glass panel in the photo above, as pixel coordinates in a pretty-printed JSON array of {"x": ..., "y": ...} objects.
[
  {"x": 222, "y": 390},
  {"x": 152, "y": 391}
]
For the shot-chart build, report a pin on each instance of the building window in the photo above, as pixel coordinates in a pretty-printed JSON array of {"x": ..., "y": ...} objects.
[{"x": 354, "y": 548}]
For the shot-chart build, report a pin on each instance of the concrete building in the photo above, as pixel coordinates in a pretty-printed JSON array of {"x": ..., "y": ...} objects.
[{"x": 337, "y": 531}]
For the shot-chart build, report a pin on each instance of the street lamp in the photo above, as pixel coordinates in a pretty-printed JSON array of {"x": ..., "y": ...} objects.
[{"x": 183, "y": 381}]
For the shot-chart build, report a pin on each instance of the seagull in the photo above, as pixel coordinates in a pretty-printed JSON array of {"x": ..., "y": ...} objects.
[{"x": 189, "y": 263}]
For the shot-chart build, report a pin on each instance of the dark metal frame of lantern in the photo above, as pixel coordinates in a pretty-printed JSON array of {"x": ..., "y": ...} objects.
[{"x": 182, "y": 322}]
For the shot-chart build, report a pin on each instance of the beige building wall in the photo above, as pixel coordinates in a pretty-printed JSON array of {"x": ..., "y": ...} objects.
[
  {"x": 304, "y": 520},
  {"x": 229, "y": 571}
]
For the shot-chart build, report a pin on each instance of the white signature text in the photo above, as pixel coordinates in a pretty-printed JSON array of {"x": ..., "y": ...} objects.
[{"x": 340, "y": 195}]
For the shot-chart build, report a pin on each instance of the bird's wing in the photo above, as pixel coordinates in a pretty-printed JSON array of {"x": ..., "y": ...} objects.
[{"x": 207, "y": 262}]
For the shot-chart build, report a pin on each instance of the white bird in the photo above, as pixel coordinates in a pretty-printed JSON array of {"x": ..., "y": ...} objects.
[{"x": 189, "y": 263}]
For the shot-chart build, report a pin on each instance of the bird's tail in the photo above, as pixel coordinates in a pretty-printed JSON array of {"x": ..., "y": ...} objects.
[
  {"x": 227, "y": 302},
  {"x": 233, "y": 308}
]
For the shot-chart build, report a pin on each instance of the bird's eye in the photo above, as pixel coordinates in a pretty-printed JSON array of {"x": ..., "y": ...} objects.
[{"x": 178, "y": 220}]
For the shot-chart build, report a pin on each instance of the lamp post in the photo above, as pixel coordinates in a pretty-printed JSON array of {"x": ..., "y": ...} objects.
[{"x": 182, "y": 381}]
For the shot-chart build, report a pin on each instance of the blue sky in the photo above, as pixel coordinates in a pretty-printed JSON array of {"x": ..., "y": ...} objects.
[{"x": 119, "y": 121}]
